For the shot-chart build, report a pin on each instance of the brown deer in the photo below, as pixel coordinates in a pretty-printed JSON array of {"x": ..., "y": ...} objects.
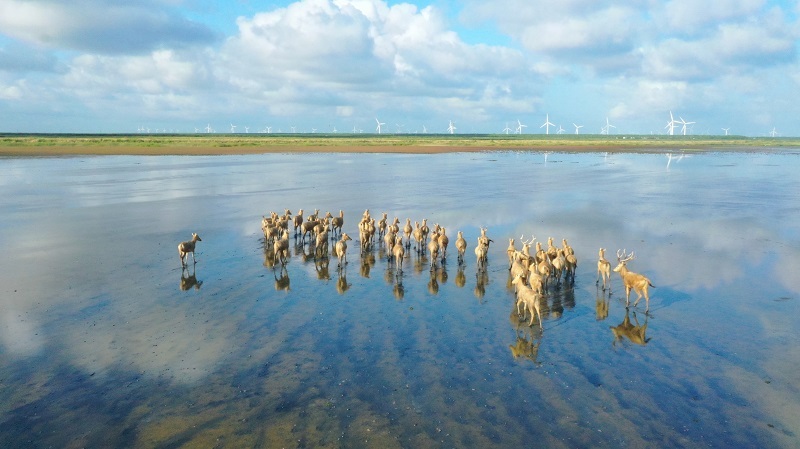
[
  {"x": 185, "y": 248},
  {"x": 603, "y": 269},
  {"x": 341, "y": 249},
  {"x": 633, "y": 281},
  {"x": 461, "y": 247}
]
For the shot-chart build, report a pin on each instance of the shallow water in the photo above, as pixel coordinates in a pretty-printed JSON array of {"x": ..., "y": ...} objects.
[{"x": 105, "y": 341}]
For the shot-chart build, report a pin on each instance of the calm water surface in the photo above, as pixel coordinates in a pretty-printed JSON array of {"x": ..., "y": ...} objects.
[{"x": 106, "y": 342}]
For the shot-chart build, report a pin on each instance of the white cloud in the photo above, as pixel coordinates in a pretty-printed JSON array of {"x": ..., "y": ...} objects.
[
  {"x": 98, "y": 25},
  {"x": 354, "y": 59}
]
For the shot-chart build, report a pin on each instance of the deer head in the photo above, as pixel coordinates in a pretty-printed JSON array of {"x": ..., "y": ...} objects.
[{"x": 623, "y": 258}]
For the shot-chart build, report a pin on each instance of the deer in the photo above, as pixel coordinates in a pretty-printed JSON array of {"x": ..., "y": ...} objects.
[
  {"x": 341, "y": 249},
  {"x": 461, "y": 247},
  {"x": 185, "y": 248},
  {"x": 398, "y": 253},
  {"x": 336, "y": 222},
  {"x": 281, "y": 249},
  {"x": 297, "y": 221},
  {"x": 633, "y": 281},
  {"x": 603, "y": 269},
  {"x": 528, "y": 300}
]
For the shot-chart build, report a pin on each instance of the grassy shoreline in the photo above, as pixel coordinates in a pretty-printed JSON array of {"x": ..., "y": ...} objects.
[{"x": 20, "y": 145}]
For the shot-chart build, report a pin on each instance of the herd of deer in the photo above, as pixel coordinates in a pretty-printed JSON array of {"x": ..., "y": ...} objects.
[{"x": 530, "y": 273}]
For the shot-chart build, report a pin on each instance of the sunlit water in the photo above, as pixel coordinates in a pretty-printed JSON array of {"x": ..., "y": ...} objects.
[{"x": 105, "y": 341}]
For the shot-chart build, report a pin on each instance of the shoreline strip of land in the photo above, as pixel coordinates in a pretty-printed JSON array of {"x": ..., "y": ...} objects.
[{"x": 35, "y": 145}]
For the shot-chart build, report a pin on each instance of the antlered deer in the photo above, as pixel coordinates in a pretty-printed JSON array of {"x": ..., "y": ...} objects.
[{"x": 633, "y": 281}]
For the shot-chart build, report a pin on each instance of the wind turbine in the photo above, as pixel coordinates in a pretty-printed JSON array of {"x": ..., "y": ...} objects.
[
  {"x": 506, "y": 129},
  {"x": 577, "y": 127},
  {"x": 726, "y": 130},
  {"x": 546, "y": 125},
  {"x": 684, "y": 122},
  {"x": 293, "y": 128},
  {"x": 773, "y": 133},
  {"x": 560, "y": 130},
  {"x": 378, "y": 129},
  {"x": 452, "y": 128},
  {"x": 671, "y": 124},
  {"x": 233, "y": 128},
  {"x": 424, "y": 130},
  {"x": 608, "y": 126},
  {"x": 246, "y": 129},
  {"x": 520, "y": 126}
]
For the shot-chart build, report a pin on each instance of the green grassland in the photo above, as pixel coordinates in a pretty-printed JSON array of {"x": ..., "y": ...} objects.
[{"x": 52, "y": 144}]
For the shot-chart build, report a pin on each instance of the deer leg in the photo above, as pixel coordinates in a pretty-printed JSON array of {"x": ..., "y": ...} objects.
[{"x": 638, "y": 297}]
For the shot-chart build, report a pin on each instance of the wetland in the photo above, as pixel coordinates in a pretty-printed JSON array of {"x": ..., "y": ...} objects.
[{"x": 106, "y": 341}]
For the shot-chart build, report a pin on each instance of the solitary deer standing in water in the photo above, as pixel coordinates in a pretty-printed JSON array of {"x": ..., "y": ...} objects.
[
  {"x": 184, "y": 248},
  {"x": 632, "y": 280}
]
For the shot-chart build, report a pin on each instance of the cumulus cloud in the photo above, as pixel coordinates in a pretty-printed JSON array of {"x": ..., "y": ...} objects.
[
  {"x": 337, "y": 54},
  {"x": 678, "y": 40},
  {"x": 353, "y": 59},
  {"x": 101, "y": 26}
]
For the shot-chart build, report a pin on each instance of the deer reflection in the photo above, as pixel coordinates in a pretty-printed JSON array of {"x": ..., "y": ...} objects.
[
  {"x": 321, "y": 265},
  {"x": 420, "y": 263},
  {"x": 527, "y": 341},
  {"x": 601, "y": 304},
  {"x": 627, "y": 330},
  {"x": 308, "y": 253},
  {"x": 433, "y": 283},
  {"x": 397, "y": 288},
  {"x": 269, "y": 256},
  {"x": 189, "y": 280},
  {"x": 461, "y": 278},
  {"x": 367, "y": 262},
  {"x": 481, "y": 279},
  {"x": 341, "y": 283},
  {"x": 281, "y": 279}
]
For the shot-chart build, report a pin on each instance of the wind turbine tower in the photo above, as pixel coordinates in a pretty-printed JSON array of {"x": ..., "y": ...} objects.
[
  {"x": 520, "y": 126},
  {"x": 685, "y": 123},
  {"x": 671, "y": 124},
  {"x": 608, "y": 126},
  {"x": 546, "y": 125}
]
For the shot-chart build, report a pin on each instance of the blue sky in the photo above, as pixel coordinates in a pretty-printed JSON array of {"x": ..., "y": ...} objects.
[{"x": 319, "y": 65}]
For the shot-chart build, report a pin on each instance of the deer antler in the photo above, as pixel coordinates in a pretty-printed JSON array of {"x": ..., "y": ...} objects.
[{"x": 624, "y": 257}]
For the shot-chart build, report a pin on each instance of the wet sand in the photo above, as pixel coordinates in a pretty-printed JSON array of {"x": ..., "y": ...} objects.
[{"x": 106, "y": 341}]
